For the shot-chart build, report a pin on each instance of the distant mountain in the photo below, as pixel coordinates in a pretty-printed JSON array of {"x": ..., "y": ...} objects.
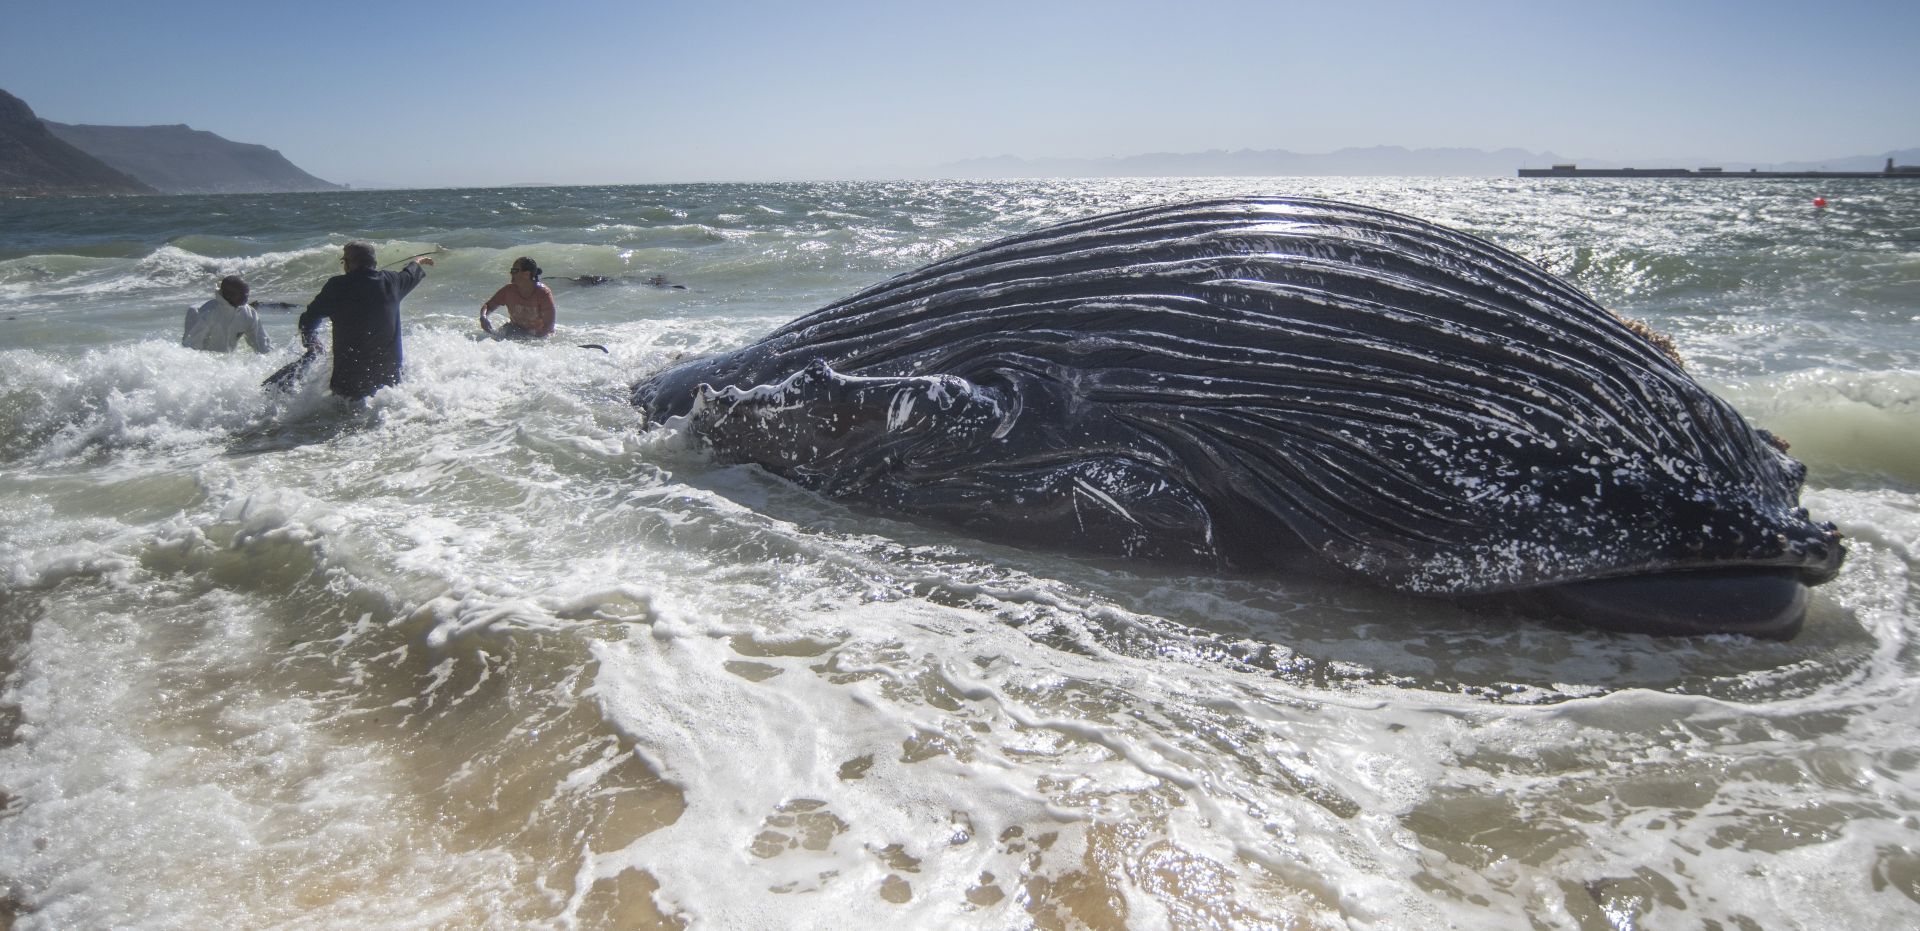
[
  {"x": 35, "y": 161},
  {"x": 1848, "y": 163},
  {"x": 179, "y": 159},
  {"x": 1375, "y": 161}
]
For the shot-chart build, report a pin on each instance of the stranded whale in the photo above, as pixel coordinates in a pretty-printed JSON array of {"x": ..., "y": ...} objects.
[{"x": 1267, "y": 384}]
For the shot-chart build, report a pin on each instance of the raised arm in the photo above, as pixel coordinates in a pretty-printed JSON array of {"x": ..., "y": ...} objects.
[{"x": 414, "y": 273}]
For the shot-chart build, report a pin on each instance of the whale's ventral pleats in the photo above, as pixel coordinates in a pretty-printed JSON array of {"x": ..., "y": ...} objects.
[{"x": 1280, "y": 384}]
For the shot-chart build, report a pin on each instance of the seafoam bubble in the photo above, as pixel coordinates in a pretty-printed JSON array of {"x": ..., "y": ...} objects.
[{"x": 173, "y": 267}]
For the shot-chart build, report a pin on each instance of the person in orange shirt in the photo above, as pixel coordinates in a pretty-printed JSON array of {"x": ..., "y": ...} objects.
[{"x": 529, "y": 304}]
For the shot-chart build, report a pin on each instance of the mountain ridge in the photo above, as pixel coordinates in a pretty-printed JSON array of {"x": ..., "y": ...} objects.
[
  {"x": 178, "y": 159},
  {"x": 42, "y": 157},
  {"x": 35, "y": 161}
]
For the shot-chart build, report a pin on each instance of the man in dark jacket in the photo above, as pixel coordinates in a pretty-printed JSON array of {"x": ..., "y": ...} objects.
[{"x": 364, "y": 305}]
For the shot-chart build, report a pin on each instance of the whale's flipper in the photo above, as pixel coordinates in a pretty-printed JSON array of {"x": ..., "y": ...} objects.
[{"x": 921, "y": 445}]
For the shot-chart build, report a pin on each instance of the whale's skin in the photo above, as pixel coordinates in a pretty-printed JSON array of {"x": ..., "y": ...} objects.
[{"x": 1265, "y": 383}]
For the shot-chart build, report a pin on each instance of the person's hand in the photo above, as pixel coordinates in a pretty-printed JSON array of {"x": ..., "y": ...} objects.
[
  {"x": 485, "y": 323},
  {"x": 424, "y": 261}
]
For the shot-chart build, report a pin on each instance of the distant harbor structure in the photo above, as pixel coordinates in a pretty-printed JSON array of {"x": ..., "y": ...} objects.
[{"x": 1908, "y": 172}]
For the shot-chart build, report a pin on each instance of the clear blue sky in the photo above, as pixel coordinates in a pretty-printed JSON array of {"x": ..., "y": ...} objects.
[{"x": 470, "y": 92}]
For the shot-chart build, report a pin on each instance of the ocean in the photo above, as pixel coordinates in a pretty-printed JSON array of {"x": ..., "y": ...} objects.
[{"x": 489, "y": 652}]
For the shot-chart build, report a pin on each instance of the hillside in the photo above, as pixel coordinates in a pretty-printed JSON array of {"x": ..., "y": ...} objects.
[
  {"x": 35, "y": 161},
  {"x": 179, "y": 159}
]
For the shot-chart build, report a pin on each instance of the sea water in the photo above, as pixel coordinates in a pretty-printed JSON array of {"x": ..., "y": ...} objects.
[{"x": 490, "y": 652}]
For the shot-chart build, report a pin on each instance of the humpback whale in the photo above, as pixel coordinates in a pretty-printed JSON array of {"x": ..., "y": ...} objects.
[{"x": 1276, "y": 385}]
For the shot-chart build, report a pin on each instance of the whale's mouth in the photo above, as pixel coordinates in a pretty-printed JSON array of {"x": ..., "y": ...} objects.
[{"x": 1766, "y": 603}]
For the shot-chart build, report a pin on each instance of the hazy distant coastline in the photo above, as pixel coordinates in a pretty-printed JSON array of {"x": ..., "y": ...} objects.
[
  {"x": 1370, "y": 161},
  {"x": 178, "y": 159},
  {"x": 41, "y": 157}
]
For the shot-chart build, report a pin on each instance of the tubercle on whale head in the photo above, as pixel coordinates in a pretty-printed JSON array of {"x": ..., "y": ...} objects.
[
  {"x": 1825, "y": 553},
  {"x": 1727, "y": 525}
]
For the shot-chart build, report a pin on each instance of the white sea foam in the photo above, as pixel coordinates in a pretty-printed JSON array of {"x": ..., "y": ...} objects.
[{"x": 1854, "y": 422}]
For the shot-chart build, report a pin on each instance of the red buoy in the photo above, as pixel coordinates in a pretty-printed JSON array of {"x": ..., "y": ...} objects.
[{"x": 1819, "y": 202}]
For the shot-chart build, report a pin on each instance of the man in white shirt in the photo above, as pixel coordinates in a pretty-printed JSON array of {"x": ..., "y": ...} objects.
[{"x": 218, "y": 325}]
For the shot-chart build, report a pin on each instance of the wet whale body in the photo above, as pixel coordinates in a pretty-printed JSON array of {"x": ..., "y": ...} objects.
[{"x": 1282, "y": 384}]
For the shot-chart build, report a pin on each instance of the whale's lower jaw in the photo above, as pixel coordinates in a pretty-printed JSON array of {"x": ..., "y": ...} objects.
[{"x": 1767, "y": 603}]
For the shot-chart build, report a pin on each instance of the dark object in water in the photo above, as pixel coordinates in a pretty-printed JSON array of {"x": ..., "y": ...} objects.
[
  {"x": 510, "y": 332},
  {"x": 288, "y": 376},
  {"x": 590, "y": 281},
  {"x": 1271, "y": 384}
]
